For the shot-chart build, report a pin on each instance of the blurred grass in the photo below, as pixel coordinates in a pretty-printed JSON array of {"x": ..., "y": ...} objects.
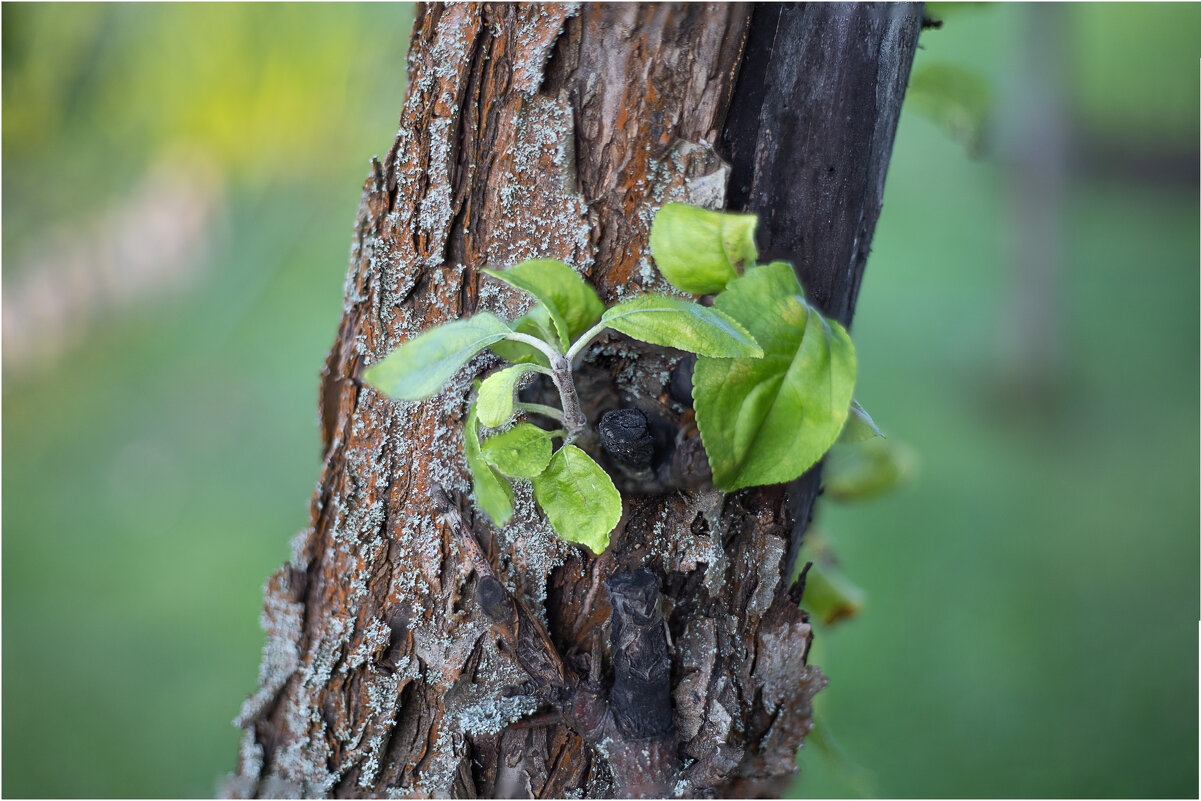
[
  {"x": 154, "y": 476},
  {"x": 1031, "y": 621}
]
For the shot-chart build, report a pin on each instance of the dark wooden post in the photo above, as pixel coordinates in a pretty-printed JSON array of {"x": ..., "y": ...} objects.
[{"x": 810, "y": 147}]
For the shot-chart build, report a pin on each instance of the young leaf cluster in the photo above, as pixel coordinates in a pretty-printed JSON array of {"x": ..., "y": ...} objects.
[
  {"x": 763, "y": 420},
  {"x": 573, "y": 491},
  {"x": 772, "y": 387}
]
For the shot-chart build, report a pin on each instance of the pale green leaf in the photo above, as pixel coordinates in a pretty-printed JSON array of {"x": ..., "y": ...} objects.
[
  {"x": 521, "y": 452},
  {"x": 766, "y": 421},
  {"x": 493, "y": 493},
  {"x": 859, "y": 426},
  {"x": 421, "y": 366},
  {"x": 572, "y": 305},
  {"x": 700, "y": 251},
  {"x": 536, "y": 323},
  {"x": 829, "y": 595},
  {"x": 496, "y": 395},
  {"x": 676, "y": 323},
  {"x": 957, "y": 100},
  {"x": 578, "y": 498},
  {"x": 867, "y": 469},
  {"x": 860, "y": 781}
]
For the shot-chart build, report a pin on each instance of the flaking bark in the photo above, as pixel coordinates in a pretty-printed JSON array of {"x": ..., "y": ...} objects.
[{"x": 394, "y": 662}]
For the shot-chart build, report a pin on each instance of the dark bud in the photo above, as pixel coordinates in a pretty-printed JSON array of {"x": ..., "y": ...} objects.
[
  {"x": 438, "y": 498},
  {"x": 680, "y": 387},
  {"x": 626, "y": 435},
  {"x": 493, "y": 598},
  {"x": 797, "y": 591}
]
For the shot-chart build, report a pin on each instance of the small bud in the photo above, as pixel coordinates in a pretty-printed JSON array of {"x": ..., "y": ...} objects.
[{"x": 493, "y": 599}]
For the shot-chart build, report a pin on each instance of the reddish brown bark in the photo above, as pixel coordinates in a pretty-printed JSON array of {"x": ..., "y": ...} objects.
[{"x": 393, "y": 666}]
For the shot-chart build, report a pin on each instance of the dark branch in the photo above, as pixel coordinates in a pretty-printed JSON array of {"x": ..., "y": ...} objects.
[{"x": 809, "y": 149}]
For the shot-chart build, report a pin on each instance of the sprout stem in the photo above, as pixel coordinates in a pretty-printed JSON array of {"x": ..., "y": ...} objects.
[
  {"x": 543, "y": 409},
  {"x": 584, "y": 340},
  {"x": 550, "y": 352},
  {"x": 560, "y": 372},
  {"x": 573, "y": 416}
]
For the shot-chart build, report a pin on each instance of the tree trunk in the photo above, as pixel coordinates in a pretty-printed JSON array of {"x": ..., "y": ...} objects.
[{"x": 414, "y": 649}]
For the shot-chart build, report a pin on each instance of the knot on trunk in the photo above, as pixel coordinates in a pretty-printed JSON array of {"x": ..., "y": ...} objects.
[
  {"x": 625, "y": 434},
  {"x": 641, "y": 696}
]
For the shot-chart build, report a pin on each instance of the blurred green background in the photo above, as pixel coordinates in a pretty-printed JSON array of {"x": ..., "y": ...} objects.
[{"x": 179, "y": 187}]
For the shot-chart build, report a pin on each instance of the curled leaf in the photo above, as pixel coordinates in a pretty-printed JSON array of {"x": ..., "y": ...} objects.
[
  {"x": 493, "y": 493},
  {"x": 766, "y": 421},
  {"x": 699, "y": 250},
  {"x": 859, "y": 426},
  {"x": 496, "y": 395},
  {"x": 955, "y": 99},
  {"x": 867, "y": 469},
  {"x": 829, "y": 595}
]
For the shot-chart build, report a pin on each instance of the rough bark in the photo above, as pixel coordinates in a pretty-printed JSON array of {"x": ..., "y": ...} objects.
[{"x": 413, "y": 648}]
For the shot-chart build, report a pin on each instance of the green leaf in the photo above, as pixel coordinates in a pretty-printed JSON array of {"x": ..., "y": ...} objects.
[
  {"x": 578, "y": 498},
  {"x": 867, "y": 469},
  {"x": 829, "y": 595},
  {"x": 521, "y": 452},
  {"x": 859, "y": 426},
  {"x": 536, "y": 323},
  {"x": 957, "y": 100},
  {"x": 700, "y": 251},
  {"x": 676, "y": 323},
  {"x": 859, "y": 780},
  {"x": 766, "y": 421},
  {"x": 421, "y": 366},
  {"x": 496, "y": 395},
  {"x": 493, "y": 492},
  {"x": 572, "y": 305}
]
